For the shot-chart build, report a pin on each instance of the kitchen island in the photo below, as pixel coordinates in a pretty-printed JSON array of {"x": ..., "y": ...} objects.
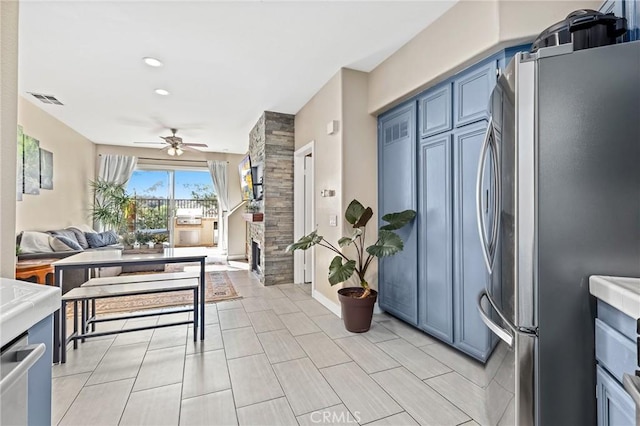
[
  {"x": 616, "y": 329},
  {"x": 26, "y": 335}
]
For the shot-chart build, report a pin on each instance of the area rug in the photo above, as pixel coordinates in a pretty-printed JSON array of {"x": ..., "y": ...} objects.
[{"x": 218, "y": 288}]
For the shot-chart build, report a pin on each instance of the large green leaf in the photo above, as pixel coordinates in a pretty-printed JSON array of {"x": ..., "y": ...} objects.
[
  {"x": 305, "y": 242},
  {"x": 364, "y": 218},
  {"x": 397, "y": 220},
  {"x": 339, "y": 272},
  {"x": 354, "y": 212},
  {"x": 388, "y": 244},
  {"x": 345, "y": 241}
]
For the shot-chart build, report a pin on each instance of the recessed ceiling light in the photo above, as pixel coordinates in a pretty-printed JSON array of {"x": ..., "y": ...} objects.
[
  {"x": 161, "y": 92},
  {"x": 152, "y": 62}
]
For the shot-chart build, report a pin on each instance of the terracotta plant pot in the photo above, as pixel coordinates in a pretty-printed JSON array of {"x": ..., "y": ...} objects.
[{"x": 356, "y": 313}]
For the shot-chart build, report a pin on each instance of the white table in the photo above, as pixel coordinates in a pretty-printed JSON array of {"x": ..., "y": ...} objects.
[{"x": 105, "y": 258}]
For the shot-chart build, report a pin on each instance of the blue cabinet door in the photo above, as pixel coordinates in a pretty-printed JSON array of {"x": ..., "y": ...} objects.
[
  {"x": 398, "y": 275},
  {"x": 472, "y": 90},
  {"x": 434, "y": 111},
  {"x": 470, "y": 275},
  {"x": 615, "y": 406},
  {"x": 435, "y": 230}
]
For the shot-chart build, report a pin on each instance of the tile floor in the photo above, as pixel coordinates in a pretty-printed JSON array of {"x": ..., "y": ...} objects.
[{"x": 276, "y": 357}]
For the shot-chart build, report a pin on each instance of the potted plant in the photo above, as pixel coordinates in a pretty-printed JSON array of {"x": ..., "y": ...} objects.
[
  {"x": 357, "y": 302},
  {"x": 161, "y": 238},
  {"x": 111, "y": 205},
  {"x": 143, "y": 237}
]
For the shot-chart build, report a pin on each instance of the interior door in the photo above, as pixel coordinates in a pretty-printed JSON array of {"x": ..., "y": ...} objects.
[{"x": 308, "y": 215}]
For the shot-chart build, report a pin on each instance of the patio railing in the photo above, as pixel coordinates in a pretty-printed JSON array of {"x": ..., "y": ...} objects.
[{"x": 153, "y": 213}]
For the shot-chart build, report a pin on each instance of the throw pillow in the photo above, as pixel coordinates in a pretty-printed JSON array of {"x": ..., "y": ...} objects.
[
  {"x": 79, "y": 233},
  {"x": 101, "y": 239},
  {"x": 67, "y": 233},
  {"x": 62, "y": 243},
  {"x": 35, "y": 242},
  {"x": 86, "y": 228}
]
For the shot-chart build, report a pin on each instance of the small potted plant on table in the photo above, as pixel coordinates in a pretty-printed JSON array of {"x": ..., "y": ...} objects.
[{"x": 357, "y": 302}]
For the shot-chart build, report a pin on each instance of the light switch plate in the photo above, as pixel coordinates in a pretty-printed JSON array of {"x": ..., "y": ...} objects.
[{"x": 333, "y": 220}]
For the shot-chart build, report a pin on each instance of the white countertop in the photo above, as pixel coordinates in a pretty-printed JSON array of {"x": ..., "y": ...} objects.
[
  {"x": 23, "y": 305},
  {"x": 623, "y": 293}
]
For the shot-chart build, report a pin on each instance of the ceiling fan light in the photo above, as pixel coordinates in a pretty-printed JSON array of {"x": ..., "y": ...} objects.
[
  {"x": 152, "y": 62},
  {"x": 179, "y": 151},
  {"x": 172, "y": 151}
]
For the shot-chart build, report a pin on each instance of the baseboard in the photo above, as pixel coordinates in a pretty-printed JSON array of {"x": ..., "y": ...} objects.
[
  {"x": 237, "y": 257},
  {"x": 327, "y": 303},
  {"x": 376, "y": 309}
]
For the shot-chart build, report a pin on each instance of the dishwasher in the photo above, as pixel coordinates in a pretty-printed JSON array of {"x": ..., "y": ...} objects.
[{"x": 16, "y": 359}]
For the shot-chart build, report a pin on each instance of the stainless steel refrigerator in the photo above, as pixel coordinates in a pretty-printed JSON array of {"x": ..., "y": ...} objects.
[{"x": 563, "y": 153}]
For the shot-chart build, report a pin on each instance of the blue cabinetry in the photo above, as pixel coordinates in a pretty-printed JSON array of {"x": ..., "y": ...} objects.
[
  {"x": 470, "y": 274},
  {"x": 436, "y": 242},
  {"x": 472, "y": 91},
  {"x": 434, "y": 283},
  {"x": 616, "y": 354},
  {"x": 398, "y": 277},
  {"x": 434, "y": 109}
]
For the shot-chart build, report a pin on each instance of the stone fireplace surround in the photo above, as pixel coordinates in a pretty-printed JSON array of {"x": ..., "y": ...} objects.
[{"x": 271, "y": 145}]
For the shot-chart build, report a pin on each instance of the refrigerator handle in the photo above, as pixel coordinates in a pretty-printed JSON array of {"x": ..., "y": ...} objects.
[
  {"x": 497, "y": 199},
  {"x": 479, "y": 213},
  {"x": 501, "y": 332}
]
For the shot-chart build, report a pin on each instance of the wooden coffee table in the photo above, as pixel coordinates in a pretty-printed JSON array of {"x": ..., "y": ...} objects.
[{"x": 38, "y": 268}]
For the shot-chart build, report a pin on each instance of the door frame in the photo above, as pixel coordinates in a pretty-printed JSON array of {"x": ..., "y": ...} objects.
[{"x": 298, "y": 210}]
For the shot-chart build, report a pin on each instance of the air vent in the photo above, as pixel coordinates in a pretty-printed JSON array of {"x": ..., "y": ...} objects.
[{"x": 47, "y": 99}]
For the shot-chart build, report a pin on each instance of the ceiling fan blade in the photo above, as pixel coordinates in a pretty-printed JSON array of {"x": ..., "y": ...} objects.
[
  {"x": 186, "y": 147},
  {"x": 202, "y": 145},
  {"x": 151, "y": 143}
]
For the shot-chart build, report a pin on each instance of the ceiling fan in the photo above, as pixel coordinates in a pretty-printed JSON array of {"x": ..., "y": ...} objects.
[{"x": 174, "y": 143}]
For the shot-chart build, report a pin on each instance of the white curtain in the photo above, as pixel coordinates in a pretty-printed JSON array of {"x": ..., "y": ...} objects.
[
  {"x": 218, "y": 170},
  {"x": 117, "y": 169}
]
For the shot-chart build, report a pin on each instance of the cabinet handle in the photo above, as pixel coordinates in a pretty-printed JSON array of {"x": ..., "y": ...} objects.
[{"x": 25, "y": 357}]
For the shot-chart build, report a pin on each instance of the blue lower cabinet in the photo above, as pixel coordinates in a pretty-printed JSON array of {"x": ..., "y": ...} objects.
[
  {"x": 435, "y": 230},
  {"x": 398, "y": 275},
  {"x": 615, "y": 406}
]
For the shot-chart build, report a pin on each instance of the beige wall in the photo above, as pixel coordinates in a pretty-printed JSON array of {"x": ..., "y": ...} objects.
[
  {"x": 73, "y": 166},
  {"x": 8, "y": 134},
  {"x": 311, "y": 125},
  {"x": 237, "y": 228},
  {"x": 467, "y": 32},
  {"x": 359, "y": 156},
  {"x": 345, "y": 162}
]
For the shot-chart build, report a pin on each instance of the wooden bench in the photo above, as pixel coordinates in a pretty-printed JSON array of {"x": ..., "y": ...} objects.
[{"x": 91, "y": 292}]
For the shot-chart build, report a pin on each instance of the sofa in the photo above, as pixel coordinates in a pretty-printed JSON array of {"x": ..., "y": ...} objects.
[{"x": 61, "y": 243}]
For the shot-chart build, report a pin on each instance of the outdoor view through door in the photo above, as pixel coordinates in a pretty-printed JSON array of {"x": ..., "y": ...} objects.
[{"x": 180, "y": 203}]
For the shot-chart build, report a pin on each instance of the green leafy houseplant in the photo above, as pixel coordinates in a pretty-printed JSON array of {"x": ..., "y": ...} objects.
[
  {"x": 342, "y": 267},
  {"x": 111, "y": 205}
]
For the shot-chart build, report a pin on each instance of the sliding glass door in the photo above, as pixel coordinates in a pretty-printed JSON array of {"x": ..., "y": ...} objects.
[{"x": 179, "y": 203}]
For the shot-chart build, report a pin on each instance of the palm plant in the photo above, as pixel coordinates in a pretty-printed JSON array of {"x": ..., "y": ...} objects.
[
  {"x": 111, "y": 204},
  {"x": 342, "y": 267}
]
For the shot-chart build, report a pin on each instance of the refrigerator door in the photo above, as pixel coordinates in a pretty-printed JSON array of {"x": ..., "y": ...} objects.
[{"x": 506, "y": 306}]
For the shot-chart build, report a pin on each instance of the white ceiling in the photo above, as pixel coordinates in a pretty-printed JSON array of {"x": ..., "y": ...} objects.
[{"x": 224, "y": 62}]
